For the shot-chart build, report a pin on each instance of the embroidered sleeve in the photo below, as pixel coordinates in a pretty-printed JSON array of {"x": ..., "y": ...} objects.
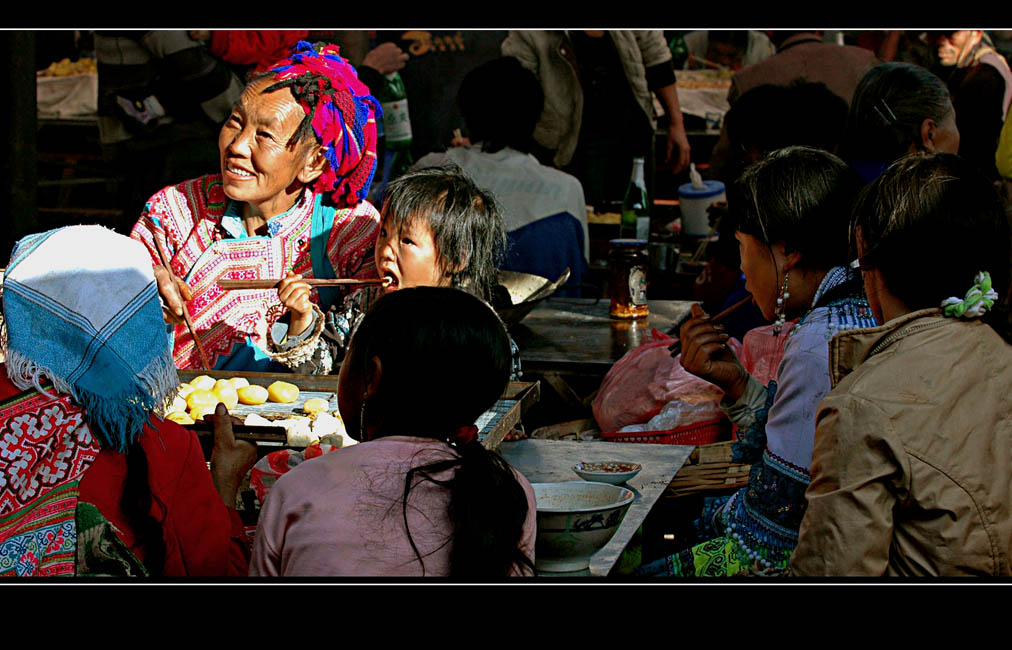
[
  {"x": 750, "y": 413},
  {"x": 352, "y": 241},
  {"x": 305, "y": 354}
]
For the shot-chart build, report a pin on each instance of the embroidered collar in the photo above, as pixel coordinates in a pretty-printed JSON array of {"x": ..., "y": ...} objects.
[{"x": 232, "y": 223}]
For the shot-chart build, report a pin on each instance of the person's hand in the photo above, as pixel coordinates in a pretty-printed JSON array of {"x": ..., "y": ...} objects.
[
  {"x": 677, "y": 142},
  {"x": 715, "y": 213},
  {"x": 200, "y": 35},
  {"x": 705, "y": 353},
  {"x": 294, "y": 294},
  {"x": 386, "y": 58},
  {"x": 174, "y": 292},
  {"x": 231, "y": 459}
]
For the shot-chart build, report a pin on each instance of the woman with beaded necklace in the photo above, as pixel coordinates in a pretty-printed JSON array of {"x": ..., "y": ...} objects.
[
  {"x": 792, "y": 210},
  {"x": 298, "y": 154}
]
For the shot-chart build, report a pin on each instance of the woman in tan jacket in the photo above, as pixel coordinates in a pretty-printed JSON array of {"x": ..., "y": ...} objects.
[{"x": 912, "y": 465}]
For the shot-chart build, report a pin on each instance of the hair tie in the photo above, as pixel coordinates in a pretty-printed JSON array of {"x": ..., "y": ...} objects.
[
  {"x": 463, "y": 436},
  {"x": 979, "y": 299}
]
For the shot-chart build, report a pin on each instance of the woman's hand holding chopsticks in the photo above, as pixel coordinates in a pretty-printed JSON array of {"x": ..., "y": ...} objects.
[
  {"x": 174, "y": 292},
  {"x": 705, "y": 353},
  {"x": 294, "y": 294}
]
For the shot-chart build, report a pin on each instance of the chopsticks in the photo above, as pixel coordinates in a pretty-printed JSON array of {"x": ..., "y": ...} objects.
[
  {"x": 676, "y": 347},
  {"x": 186, "y": 312},
  {"x": 270, "y": 283}
]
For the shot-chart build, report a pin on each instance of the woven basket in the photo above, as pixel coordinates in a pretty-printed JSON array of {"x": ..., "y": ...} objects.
[{"x": 701, "y": 433}]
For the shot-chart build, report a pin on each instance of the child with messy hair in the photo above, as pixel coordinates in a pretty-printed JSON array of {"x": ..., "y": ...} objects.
[{"x": 438, "y": 229}]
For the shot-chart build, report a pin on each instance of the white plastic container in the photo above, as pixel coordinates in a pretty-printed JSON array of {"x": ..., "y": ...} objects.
[{"x": 694, "y": 202}]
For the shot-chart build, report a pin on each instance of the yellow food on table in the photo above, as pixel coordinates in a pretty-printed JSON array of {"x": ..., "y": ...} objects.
[
  {"x": 178, "y": 405},
  {"x": 180, "y": 417},
  {"x": 239, "y": 382},
  {"x": 198, "y": 413},
  {"x": 252, "y": 395},
  {"x": 202, "y": 398},
  {"x": 203, "y": 382},
  {"x": 227, "y": 395},
  {"x": 66, "y": 67},
  {"x": 222, "y": 383},
  {"x": 315, "y": 405},
  {"x": 185, "y": 389},
  {"x": 282, "y": 391}
]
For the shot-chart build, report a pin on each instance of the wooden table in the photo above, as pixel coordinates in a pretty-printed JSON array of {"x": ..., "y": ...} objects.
[
  {"x": 571, "y": 343},
  {"x": 576, "y": 334},
  {"x": 551, "y": 461}
]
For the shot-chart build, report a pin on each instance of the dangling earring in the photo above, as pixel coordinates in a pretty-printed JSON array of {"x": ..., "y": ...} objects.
[{"x": 781, "y": 316}]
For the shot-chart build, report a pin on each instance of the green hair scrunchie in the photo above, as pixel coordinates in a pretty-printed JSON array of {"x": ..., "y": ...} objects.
[{"x": 979, "y": 299}]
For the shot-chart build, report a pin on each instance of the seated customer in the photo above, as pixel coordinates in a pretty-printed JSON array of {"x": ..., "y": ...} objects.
[
  {"x": 912, "y": 466},
  {"x": 794, "y": 209},
  {"x": 898, "y": 108},
  {"x": 420, "y": 496},
  {"x": 543, "y": 208},
  {"x": 92, "y": 482},
  {"x": 763, "y": 120}
]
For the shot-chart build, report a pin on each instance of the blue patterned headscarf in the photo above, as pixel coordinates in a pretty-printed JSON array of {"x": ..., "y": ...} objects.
[{"x": 81, "y": 308}]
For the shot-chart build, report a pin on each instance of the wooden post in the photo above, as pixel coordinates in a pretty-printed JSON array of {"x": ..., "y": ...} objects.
[{"x": 18, "y": 162}]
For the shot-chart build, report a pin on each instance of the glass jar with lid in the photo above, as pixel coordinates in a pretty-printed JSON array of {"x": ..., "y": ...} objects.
[{"x": 629, "y": 262}]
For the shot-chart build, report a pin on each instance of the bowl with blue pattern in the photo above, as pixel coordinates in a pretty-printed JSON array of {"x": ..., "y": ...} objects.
[{"x": 576, "y": 519}]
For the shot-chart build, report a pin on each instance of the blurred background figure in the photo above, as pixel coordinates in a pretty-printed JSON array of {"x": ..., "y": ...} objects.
[
  {"x": 800, "y": 56},
  {"x": 981, "y": 85},
  {"x": 898, "y": 108},
  {"x": 249, "y": 50},
  {"x": 162, "y": 98},
  {"x": 598, "y": 111},
  {"x": 731, "y": 49},
  {"x": 543, "y": 208}
]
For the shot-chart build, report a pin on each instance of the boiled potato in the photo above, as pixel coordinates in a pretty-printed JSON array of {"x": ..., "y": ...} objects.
[
  {"x": 316, "y": 405},
  {"x": 203, "y": 382},
  {"x": 282, "y": 391},
  {"x": 185, "y": 389},
  {"x": 198, "y": 412},
  {"x": 239, "y": 382},
  {"x": 252, "y": 395},
  {"x": 178, "y": 405},
  {"x": 227, "y": 395},
  {"x": 180, "y": 417},
  {"x": 202, "y": 399}
]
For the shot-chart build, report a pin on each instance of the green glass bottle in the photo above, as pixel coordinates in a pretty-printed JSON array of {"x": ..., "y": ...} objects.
[
  {"x": 396, "y": 127},
  {"x": 636, "y": 205},
  {"x": 679, "y": 52}
]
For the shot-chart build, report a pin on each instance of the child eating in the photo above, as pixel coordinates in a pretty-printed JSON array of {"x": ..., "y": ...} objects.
[{"x": 438, "y": 229}]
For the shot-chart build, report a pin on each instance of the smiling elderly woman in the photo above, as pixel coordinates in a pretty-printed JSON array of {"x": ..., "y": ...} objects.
[{"x": 297, "y": 158}]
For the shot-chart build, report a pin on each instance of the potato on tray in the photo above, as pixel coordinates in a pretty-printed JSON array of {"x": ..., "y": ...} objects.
[
  {"x": 272, "y": 411},
  {"x": 282, "y": 391}
]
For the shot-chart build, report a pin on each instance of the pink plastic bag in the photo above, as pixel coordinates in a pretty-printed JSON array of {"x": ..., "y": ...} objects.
[
  {"x": 647, "y": 378},
  {"x": 762, "y": 352}
]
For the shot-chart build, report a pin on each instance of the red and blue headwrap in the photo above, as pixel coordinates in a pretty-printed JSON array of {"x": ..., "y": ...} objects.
[{"x": 343, "y": 116}]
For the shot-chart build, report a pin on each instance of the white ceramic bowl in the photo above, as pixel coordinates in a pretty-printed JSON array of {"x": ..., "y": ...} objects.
[
  {"x": 575, "y": 520},
  {"x": 615, "y": 472}
]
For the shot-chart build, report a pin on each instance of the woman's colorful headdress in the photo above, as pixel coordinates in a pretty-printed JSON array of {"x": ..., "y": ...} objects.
[{"x": 342, "y": 113}]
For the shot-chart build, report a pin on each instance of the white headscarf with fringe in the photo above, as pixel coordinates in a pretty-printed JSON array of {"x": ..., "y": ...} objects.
[{"x": 81, "y": 308}]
